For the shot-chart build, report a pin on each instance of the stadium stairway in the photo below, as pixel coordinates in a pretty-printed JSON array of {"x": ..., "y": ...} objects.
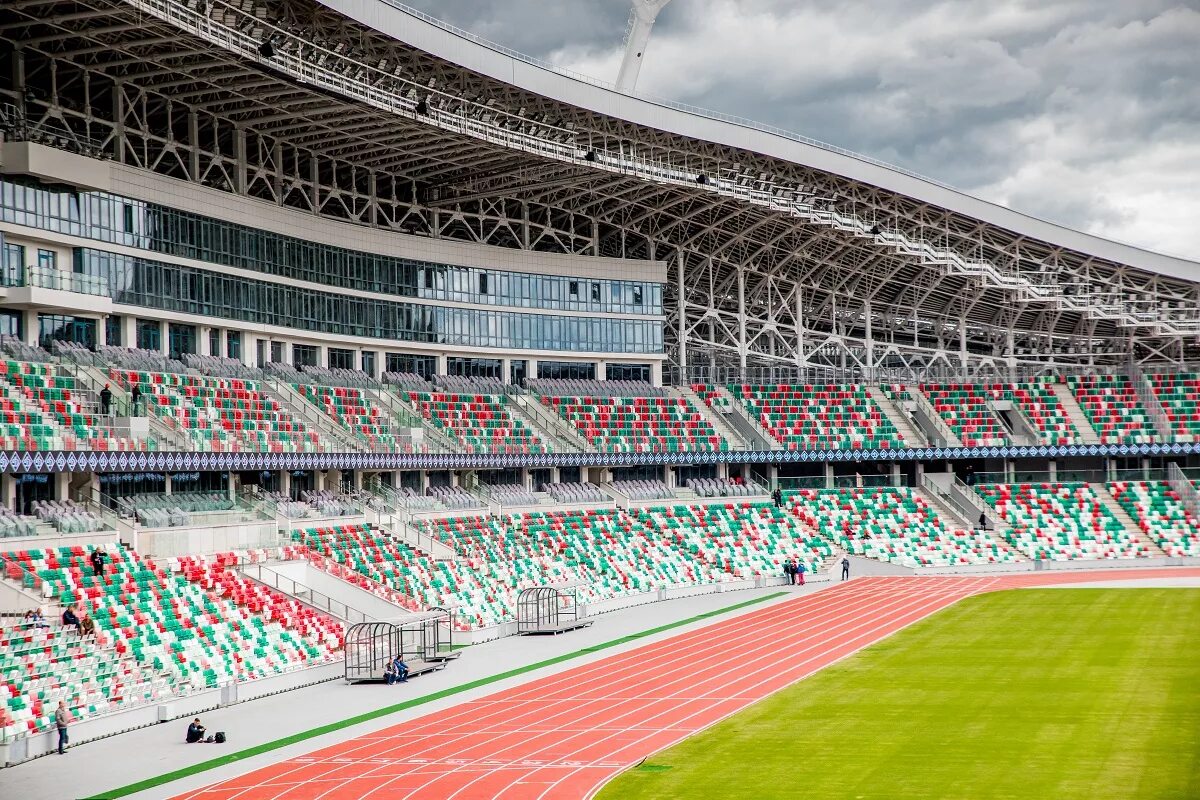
[
  {"x": 950, "y": 516},
  {"x": 1087, "y": 434},
  {"x": 549, "y": 427},
  {"x": 337, "y": 437},
  {"x": 1105, "y": 496},
  {"x": 721, "y": 402},
  {"x": 911, "y": 435},
  {"x": 715, "y": 418}
]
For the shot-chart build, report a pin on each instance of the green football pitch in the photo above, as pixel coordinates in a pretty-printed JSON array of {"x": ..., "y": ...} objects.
[{"x": 1051, "y": 693}]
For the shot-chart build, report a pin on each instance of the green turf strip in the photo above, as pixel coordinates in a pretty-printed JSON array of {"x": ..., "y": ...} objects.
[
  {"x": 266, "y": 747},
  {"x": 1052, "y": 693}
]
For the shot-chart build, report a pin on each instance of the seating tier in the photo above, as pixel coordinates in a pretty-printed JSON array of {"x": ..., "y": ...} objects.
[
  {"x": 1180, "y": 397},
  {"x": 817, "y": 417},
  {"x": 638, "y": 424},
  {"x": 483, "y": 423},
  {"x": 1113, "y": 407},
  {"x": 1060, "y": 522},
  {"x": 1161, "y": 515},
  {"x": 964, "y": 407},
  {"x": 894, "y": 525}
]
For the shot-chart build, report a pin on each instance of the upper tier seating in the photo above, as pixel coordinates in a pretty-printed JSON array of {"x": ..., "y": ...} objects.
[
  {"x": 41, "y": 409},
  {"x": 1112, "y": 405},
  {"x": 896, "y": 525},
  {"x": 221, "y": 414},
  {"x": 638, "y": 424},
  {"x": 1162, "y": 516},
  {"x": 1043, "y": 408},
  {"x": 511, "y": 495},
  {"x": 1060, "y": 522},
  {"x": 454, "y": 497},
  {"x": 643, "y": 490},
  {"x": 964, "y": 407},
  {"x": 66, "y": 516},
  {"x": 351, "y": 409},
  {"x": 727, "y": 487},
  {"x": 483, "y": 423},
  {"x": 163, "y": 623},
  {"x": 579, "y": 387},
  {"x": 13, "y": 524},
  {"x": 576, "y": 493},
  {"x": 820, "y": 417},
  {"x": 1180, "y": 398}
]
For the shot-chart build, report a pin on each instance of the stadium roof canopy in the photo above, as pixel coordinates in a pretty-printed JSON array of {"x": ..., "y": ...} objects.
[{"x": 783, "y": 251}]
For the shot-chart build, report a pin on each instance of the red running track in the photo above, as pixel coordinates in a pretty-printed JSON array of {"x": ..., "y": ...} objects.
[{"x": 564, "y": 735}]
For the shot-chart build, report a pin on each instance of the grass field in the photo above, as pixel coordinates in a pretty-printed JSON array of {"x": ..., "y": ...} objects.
[{"x": 1052, "y": 693}]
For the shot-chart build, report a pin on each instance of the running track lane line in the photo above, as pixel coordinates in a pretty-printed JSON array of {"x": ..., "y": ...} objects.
[
  {"x": 438, "y": 724},
  {"x": 756, "y": 629},
  {"x": 513, "y": 777}
]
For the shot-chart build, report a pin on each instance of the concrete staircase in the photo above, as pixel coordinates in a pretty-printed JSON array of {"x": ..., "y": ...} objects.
[
  {"x": 547, "y": 424},
  {"x": 951, "y": 517},
  {"x": 716, "y": 419},
  {"x": 1127, "y": 522},
  {"x": 912, "y": 437},
  {"x": 313, "y": 417},
  {"x": 743, "y": 422},
  {"x": 1087, "y": 434}
]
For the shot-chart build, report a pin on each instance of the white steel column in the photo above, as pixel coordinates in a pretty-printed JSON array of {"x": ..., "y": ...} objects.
[{"x": 681, "y": 315}]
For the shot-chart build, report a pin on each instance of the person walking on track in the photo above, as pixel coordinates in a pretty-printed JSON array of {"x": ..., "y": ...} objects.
[{"x": 845, "y": 568}]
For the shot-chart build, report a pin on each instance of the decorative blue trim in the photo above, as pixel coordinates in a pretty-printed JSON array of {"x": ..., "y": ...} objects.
[{"x": 95, "y": 461}]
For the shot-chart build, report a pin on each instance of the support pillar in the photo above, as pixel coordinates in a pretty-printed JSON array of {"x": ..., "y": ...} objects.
[
  {"x": 680, "y": 322},
  {"x": 168, "y": 484},
  {"x": 8, "y": 490},
  {"x": 1053, "y": 470},
  {"x": 829, "y": 476}
]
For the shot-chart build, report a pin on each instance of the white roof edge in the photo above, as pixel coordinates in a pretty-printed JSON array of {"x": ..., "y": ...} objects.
[{"x": 442, "y": 42}]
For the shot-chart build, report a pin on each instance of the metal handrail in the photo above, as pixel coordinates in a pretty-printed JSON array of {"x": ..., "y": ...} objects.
[
  {"x": 1184, "y": 487},
  {"x": 318, "y": 600},
  {"x": 1150, "y": 401}
]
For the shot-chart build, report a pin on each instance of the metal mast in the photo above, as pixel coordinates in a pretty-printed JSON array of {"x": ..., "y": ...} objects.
[{"x": 641, "y": 20}]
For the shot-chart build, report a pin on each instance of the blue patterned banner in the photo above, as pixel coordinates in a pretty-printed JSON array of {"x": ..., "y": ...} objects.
[{"x": 95, "y": 461}]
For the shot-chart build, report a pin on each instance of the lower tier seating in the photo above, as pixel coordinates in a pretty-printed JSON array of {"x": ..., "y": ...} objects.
[
  {"x": 895, "y": 525},
  {"x": 1060, "y": 522},
  {"x": 156, "y": 632},
  {"x": 1161, "y": 515}
]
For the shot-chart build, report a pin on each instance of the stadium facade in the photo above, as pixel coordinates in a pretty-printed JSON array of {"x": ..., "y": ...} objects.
[{"x": 354, "y": 186}]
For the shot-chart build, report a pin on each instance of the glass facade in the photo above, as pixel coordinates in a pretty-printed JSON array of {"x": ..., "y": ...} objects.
[
  {"x": 474, "y": 367},
  {"x": 171, "y": 287},
  {"x": 340, "y": 358},
  {"x": 12, "y": 268},
  {"x": 181, "y": 340},
  {"x": 112, "y": 331},
  {"x": 368, "y": 362},
  {"x": 304, "y": 355},
  {"x": 425, "y": 366},
  {"x": 627, "y": 372},
  {"x": 62, "y": 328},
  {"x": 233, "y": 344},
  {"x": 12, "y": 324},
  {"x": 149, "y": 334},
  {"x": 576, "y": 370},
  {"x": 148, "y": 226}
]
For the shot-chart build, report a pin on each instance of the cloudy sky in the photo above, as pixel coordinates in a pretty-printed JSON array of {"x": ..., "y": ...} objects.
[{"x": 1086, "y": 112}]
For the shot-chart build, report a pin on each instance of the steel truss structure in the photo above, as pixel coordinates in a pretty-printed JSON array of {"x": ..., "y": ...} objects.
[{"x": 775, "y": 263}]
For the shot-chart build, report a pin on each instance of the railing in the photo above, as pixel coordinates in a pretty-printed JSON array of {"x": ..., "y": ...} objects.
[
  {"x": 966, "y": 499},
  {"x": 14, "y": 570},
  {"x": 927, "y": 411},
  {"x": 1184, "y": 487},
  {"x": 562, "y": 434},
  {"x": 63, "y": 281},
  {"x": 1153, "y": 406},
  {"x": 356, "y": 578},
  {"x": 305, "y": 594}
]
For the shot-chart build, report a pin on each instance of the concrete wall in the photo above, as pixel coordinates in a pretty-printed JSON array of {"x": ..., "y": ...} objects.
[{"x": 337, "y": 589}]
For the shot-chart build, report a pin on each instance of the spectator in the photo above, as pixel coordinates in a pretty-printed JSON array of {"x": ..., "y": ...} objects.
[
  {"x": 801, "y": 568},
  {"x": 97, "y": 559},
  {"x": 61, "y": 717},
  {"x": 777, "y": 496},
  {"x": 970, "y": 475},
  {"x": 789, "y": 569},
  {"x": 845, "y": 568},
  {"x": 982, "y": 521},
  {"x": 70, "y": 618},
  {"x": 35, "y": 618},
  {"x": 401, "y": 670},
  {"x": 87, "y": 627},
  {"x": 195, "y": 732},
  {"x": 389, "y": 673},
  {"x": 105, "y": 400},
  {"x": 135, "y": 397}
]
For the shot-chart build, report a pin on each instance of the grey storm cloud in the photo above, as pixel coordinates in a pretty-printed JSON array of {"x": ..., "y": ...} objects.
[{"x": 1086, "y": 112}]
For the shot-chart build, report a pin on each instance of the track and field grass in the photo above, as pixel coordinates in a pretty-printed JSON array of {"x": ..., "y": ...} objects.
[{"x": 1050, "y": 693}]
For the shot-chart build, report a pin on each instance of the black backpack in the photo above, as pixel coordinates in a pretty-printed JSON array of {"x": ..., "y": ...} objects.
[{"x": 219, "y": 738}]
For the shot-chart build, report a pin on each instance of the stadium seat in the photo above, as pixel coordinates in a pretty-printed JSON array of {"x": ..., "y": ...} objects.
[
  {"x": 1161, "y": 515},
  {"x": 1060, "y": 522},
  {"x": 482, "y": 423},
  {"x": 1113, "y": 407},
  {"x": 816, "y": 417},
  {"x": 964, "y": 407}
]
